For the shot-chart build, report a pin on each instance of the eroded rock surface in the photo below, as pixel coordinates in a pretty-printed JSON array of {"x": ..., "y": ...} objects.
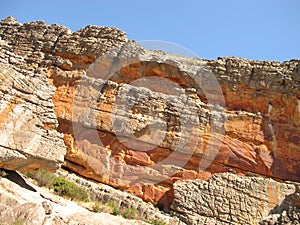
[
  {"x": 28, "y": 135},
  {"x": 230, "y": 199},
  {"x": 44, "y": 45},
  {"x": 49, "y": 74},
  {"x": 259, "y": 134}
]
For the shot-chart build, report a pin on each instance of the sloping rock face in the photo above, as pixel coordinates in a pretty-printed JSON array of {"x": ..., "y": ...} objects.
[
  {"x": 19, "y": 205},
  {"x": 230, "y": 199},
  {"x": 105, "y": 194},
  {"x": 141, "y": 120}
]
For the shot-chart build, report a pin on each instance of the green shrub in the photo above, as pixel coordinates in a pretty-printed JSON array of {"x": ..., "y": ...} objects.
[
  {"x": 19, "y": 222},
  {"x": 114, "y": 209},
  {"x": 96, "y": 207},
  {"x": 42, "y": 177},
  {"x": 130, "y": 213},
  {"x": 156, "y": 222},
  {"x": 66, "y": 188}
]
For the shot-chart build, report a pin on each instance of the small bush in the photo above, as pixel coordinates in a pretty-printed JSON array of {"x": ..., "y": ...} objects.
[
  {"x": 130, "y": 213},
  {"x": 66, "y": 188},
  {"x": 114, "y": 209},
  {"x": 96, "y": 207},
  {"x": 42, "y": 177},
  {"x": 156, "y": 222},
  {"x": 60, "y": 185},
  {"x": 19, "y": 222}
]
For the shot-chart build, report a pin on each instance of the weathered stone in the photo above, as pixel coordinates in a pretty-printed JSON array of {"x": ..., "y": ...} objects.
[
  {"x": 19, "y": 205},
  {"x": 28, "y": 135},
  {"x": 253, "y": 135},
  {"x": 259, "y": 120},
  {"x": 56, "y": 45},
  {"x": 230, "y": 199}
]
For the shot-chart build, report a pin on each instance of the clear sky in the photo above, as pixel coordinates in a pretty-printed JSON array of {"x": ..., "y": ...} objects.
[{"x": 253, "y": 29}]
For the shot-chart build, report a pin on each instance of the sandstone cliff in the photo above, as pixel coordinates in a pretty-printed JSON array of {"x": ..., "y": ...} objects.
[{"x": 141, "y": 120}]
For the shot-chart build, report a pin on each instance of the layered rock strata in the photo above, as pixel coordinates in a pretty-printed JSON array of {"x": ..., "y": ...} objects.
[
  {"x": 28, "y": 135},
  {"x": 141, "y": 120}
]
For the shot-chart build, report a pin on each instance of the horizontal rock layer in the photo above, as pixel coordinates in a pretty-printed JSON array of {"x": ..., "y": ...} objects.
[
  {"x": 138, "y": 134},
  {"x": 28, "y": 135}
]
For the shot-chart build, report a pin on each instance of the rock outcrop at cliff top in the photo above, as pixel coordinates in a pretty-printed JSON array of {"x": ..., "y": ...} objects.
[{"x": 139, "y": 131}]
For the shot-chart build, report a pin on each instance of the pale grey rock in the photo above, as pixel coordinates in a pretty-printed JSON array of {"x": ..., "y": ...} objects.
[
  {"x": 19, "y": 205},
  {"x": 28, "y": 136},
  {"x": 288, "y": 212},
  {"x": 56, "y": 45},
  {"x": 231, "y": 199}
]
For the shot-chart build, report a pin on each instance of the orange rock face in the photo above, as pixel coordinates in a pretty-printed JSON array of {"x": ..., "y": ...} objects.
[{"x": 260, "y": 133}]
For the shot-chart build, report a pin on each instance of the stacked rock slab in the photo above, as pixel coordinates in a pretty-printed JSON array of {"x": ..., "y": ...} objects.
[{"x": 28, "y": 135}]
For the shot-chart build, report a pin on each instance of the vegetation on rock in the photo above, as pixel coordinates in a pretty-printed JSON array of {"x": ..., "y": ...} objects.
[
  {"x": 69, "y": 189},
  {"x": 63, "y": 187},
  {"x": 59, "y": 185}
]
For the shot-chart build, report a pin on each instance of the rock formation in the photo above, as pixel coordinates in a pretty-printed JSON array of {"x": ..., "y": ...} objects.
[
  {"x": 29, "y": 138},
  {"x": 19, "y": 205},
  {"x": 229, "y": 199},
  {"x": 143, "y": 120}
]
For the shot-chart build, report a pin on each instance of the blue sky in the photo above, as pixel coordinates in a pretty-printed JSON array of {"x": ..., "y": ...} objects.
[{"x": 253, "y": 29}]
